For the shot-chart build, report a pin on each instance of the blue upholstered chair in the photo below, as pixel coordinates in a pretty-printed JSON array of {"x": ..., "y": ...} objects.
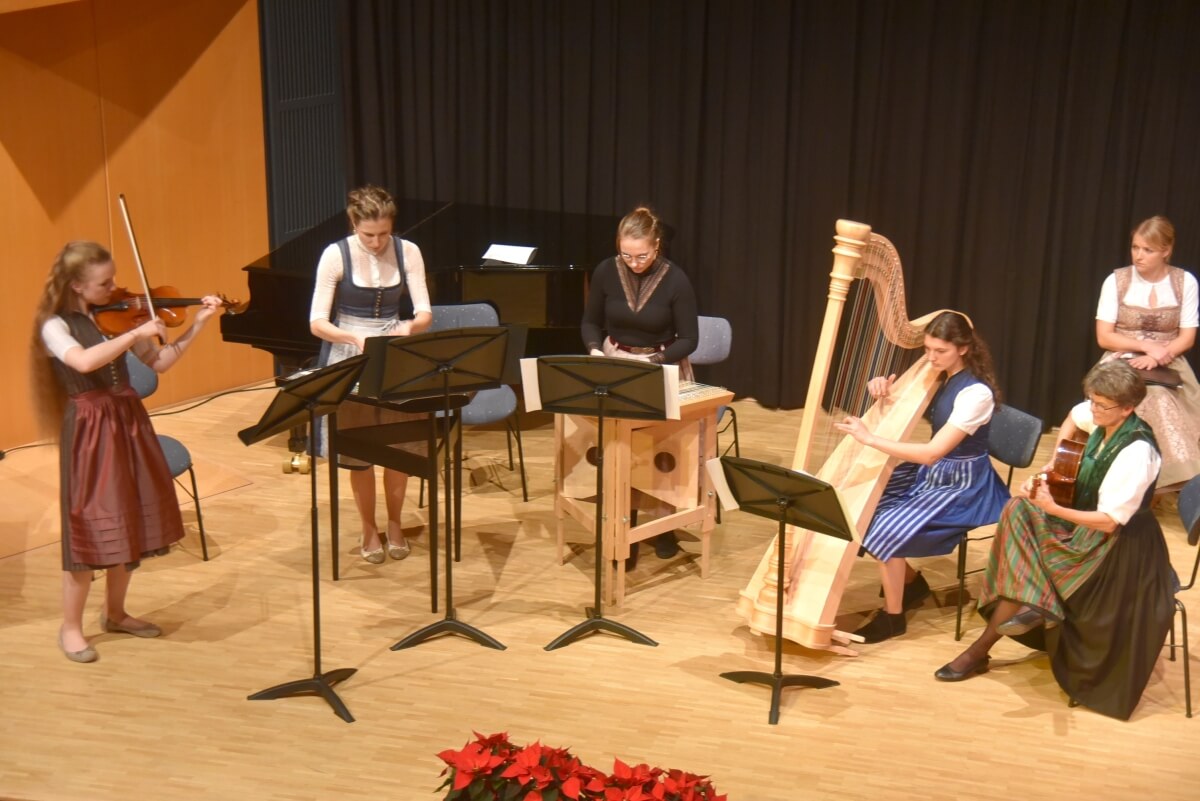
[
  {"x": 488, "y": 405},
  {"x": 1012, "y": 440},
  {"x": 716, "y": 339},
  {"x": 144, "y": 381},
  {"x": 1189, "y": 515}
]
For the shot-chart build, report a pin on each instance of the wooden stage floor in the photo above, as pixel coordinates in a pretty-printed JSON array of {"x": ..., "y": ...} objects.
[{"x": 168, "y": 719}]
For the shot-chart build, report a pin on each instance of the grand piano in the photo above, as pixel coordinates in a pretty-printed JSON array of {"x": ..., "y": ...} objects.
[{"x": 547, "y": 297}]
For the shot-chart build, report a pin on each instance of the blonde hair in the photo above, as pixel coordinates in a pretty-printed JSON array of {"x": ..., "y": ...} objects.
[
  {"x": 49, "y": 397},
  {"x": 641, "y": 223},
  {"x": 369, "y": 203},
  {"x": 1158, "y": 231}
]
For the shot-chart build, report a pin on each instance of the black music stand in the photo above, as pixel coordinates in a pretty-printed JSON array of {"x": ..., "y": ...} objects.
[
  {"x": 794, "y": 499},
  {"x": 304, "y": 400},
  {"x": 425, "y": 370},
  {"x": 601, "y": 387}
]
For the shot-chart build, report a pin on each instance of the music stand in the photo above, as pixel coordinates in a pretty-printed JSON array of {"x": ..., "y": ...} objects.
[
  {"x": 600, "y": 387},
  {"x": 304, "y": 400},
  {"x": 424, "y": 370},
  {"x": 791, "y": 498}
]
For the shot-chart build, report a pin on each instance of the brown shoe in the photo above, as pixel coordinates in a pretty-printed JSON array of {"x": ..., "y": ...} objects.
[
  {"x": 142, "y": 630},
  {"x": 88, "y": 654}
]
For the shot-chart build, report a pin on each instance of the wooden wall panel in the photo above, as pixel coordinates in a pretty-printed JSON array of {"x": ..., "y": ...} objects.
[{"x": 161, "y": 102}]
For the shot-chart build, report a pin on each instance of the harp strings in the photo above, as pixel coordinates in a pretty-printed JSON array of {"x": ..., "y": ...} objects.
[{"x": 873, "y": 322}]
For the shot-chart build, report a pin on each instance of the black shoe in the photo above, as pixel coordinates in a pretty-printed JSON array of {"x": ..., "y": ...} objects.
[
  {"x": 666, "y": 545},
  {"x": 883, "y": 626},
  {"x": 915, "y": 592},
  {"x": 947, "y": 673},
  {"x": 1027, "y": 619}
]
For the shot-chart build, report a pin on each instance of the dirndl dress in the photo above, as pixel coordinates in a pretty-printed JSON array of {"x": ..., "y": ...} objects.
[
  {"x": 117, "y": 498},
  {"x": 926, "y": 509}
]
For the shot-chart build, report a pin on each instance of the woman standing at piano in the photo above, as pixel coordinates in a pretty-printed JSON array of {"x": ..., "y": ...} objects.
[
  {"x": 641, "y": 305},
  {"x": 1148, "y": 313},
  {"x": 361, "y": 282},
  {"x": 118, "y": 500},
  {"x": 942, "y": 487}
]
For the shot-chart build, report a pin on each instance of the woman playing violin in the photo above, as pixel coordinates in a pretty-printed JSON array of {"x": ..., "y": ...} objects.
[{"x": 118, "y": 502}]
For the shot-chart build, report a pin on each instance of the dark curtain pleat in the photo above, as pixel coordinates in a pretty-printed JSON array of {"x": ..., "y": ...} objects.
[{"x": 1005, "y": 147}]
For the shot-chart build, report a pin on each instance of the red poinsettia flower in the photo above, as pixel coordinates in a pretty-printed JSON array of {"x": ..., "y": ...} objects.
[{"x": 472, "y": 761}]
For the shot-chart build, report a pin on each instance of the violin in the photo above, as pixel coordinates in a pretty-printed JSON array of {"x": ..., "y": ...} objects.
[
  {"x": 1064, "y": 470},
  {"x": 126, "y": 310}
]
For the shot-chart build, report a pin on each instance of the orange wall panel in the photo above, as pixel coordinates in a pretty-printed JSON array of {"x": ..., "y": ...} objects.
[{"x": 161, "y": 102}]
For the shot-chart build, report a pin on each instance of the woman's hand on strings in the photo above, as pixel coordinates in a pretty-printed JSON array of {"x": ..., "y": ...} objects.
[
  {"x": 854, "y": 427},
  {"x": 209, "y": 305},
  {"x": 1039, "y": 495},
  {"x": 880, "y": 387}
]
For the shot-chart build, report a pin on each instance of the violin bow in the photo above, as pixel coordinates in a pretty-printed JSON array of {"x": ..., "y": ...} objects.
[{"x": 137, "y": 256}]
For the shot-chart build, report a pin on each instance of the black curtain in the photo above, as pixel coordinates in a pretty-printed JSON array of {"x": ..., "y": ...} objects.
[{"x": 1005, "y": 147}]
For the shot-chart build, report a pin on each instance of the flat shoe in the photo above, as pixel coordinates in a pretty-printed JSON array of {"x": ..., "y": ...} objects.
[
  {"x": 375, "y": 557},
  {"x": 947, "y": 673},
  {"x": 147, "y": 630},
  {"x": 88, "y": 654},
  {"x": 398, "y": 550},
  {"x": 1027, "y": 619}
]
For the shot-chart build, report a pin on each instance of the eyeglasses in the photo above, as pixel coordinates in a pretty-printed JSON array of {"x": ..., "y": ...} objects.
[
  {"x": 641, "y": 258},
  {"x": 1100, "y": 408}
]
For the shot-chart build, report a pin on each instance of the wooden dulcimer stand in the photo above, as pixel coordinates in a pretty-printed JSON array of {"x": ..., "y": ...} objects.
[{"x": 656, "y": 464}]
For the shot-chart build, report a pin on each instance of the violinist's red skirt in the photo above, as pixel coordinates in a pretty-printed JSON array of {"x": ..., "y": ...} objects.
[{"x": 118, "y": 499}]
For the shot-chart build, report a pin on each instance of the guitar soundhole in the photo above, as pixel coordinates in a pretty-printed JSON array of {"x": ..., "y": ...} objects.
[
  {"x": 664, "y": 462},
  {"x": 592, "y": 456}
]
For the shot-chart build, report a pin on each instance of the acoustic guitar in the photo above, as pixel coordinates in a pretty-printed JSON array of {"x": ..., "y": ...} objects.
[{"x": 1064, "y": 469}]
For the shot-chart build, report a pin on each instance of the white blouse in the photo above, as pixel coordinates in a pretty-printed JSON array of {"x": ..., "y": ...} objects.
[
  {"x": 973, "y": 406},
  {"x": 1129, "y": 476},
  {"x": 1138, "y": 294},
  {"x": 369, "y": 271}
]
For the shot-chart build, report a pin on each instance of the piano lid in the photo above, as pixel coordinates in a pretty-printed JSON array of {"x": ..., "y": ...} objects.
[{"x": 457, "y": 234}]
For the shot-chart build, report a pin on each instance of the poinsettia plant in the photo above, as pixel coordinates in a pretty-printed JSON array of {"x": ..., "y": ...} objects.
[{"x": 491, "y": 768}]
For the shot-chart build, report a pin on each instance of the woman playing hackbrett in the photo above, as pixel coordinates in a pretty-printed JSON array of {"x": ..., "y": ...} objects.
[
  {"x": 942, "y": 487},
  {"x": 361, "y": 281},
  {"x": 642, "y": 306},
  {"x": 118, "y": 500},
  {"x": 1148, "y": 313}
]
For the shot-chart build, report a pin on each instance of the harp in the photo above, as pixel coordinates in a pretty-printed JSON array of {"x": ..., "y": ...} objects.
[{"x": 817, "y": 566}]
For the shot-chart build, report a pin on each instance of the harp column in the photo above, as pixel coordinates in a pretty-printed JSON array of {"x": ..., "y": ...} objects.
[{"x": 851, "y": 239}]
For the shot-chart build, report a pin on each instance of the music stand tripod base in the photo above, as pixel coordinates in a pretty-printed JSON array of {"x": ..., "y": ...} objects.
[
  {"x": 431, "y": 366},
  {"x": 304, "y": 400},
  {"x": 596, "y": 622},
  {"x": 450, "y": 624},
  {"x": 321, "y": 684},
  {"x": 790, "y": 498},
  {"x": 601, "y": 387}
]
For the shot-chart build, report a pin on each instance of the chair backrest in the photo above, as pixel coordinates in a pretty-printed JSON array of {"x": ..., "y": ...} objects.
[
  {"x": 1013, "y": 437},
  {"x": 142, "y": 377},
  {"x": 464, "y": 315},
  {"x": 716, "y": 338},
  {"x": 1189, "y": 510}
]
